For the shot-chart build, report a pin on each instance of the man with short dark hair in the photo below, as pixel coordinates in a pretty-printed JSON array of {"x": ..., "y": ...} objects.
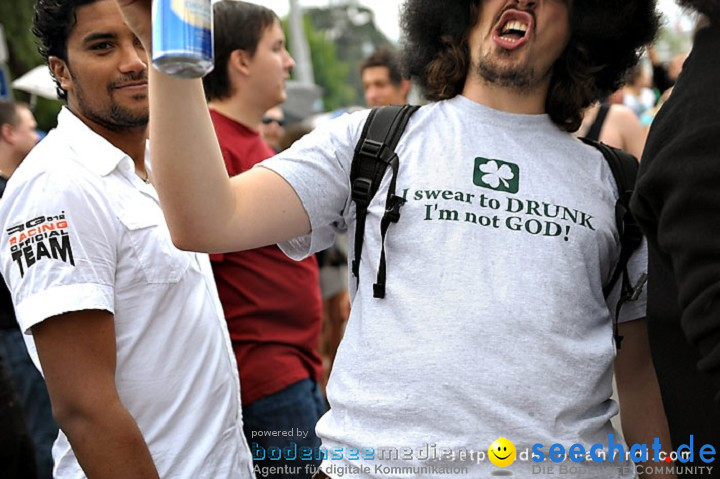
[
  {"x": 493, "y": 322},
  {"x": 18, "y": 135},
  {"x": 126, "y": 328},
  {"x": 272, "y": 304},
  {"x": 383, "y": 80}
]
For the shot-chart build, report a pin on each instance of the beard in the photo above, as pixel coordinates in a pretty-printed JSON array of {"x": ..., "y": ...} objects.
[
  {"x": 116, "y": 117},
  {"x": 124, "y": 118},
  {"x": 521, "y": 78}
]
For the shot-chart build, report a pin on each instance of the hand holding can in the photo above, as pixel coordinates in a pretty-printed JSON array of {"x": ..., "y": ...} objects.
[
  {"x": 137, "y": 14},
  {"x": 182, "y": 37}
]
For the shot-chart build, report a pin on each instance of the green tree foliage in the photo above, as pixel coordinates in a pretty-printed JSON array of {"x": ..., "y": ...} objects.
[
  {"x": 340, "y": 37},
  {"x": 16, "y": 18},
  {"x": 331, "y": 74},
  {"x": 352, "y": 31}
]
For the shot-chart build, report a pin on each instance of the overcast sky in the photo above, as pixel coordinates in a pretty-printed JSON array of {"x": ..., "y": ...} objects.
[{"x": 386, "y": 11}]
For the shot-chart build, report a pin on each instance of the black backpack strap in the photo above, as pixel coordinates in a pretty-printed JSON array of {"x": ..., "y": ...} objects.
[
  {"x": 374, "y": 153},
  {"x": 596, "y": 127},
  {"x": 624, "y": 168}
]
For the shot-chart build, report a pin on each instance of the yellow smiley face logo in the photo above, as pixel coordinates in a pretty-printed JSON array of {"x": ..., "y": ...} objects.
[{"x": 502, "y": 452}]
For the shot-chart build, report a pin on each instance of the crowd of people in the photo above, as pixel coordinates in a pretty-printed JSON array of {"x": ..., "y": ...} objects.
[{"x": 178, "y": 272}]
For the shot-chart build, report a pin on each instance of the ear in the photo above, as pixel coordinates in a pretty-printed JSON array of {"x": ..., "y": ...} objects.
[
  {"x": 61, "y": 72},
  {"x": 240, "y": 61},
  {"x": 405, "y": 88},
  {"x": 6, "y": 133}
]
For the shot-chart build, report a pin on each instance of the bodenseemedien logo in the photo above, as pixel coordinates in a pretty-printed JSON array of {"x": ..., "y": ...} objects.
[{"x": 496, "y": 175}]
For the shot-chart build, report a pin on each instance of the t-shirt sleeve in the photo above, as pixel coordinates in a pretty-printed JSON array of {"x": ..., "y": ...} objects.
[
  {"x": 58, "y": 248},
  {"x": 318, "y": 168}
]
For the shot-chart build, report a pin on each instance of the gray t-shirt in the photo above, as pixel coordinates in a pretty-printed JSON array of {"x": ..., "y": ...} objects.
[{"x": 494, "y": 322}]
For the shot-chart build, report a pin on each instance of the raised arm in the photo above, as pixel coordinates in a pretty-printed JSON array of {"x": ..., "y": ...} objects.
[
  {"x": 204, "y": 209},
  {"x": 77, "y": 353}
]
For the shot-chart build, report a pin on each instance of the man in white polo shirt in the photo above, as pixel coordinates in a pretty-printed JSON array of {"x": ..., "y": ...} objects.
[{"x": 127, "y": 329}]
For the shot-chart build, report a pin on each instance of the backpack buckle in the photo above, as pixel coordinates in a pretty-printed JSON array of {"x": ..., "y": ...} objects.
[
  {"x": 371, "y": 148},
  {"x": 636, "y": 290},
  {"x": 362, "y": 191}
]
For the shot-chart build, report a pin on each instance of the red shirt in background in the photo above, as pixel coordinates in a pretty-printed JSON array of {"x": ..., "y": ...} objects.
[{"x": 272, "y": 303}]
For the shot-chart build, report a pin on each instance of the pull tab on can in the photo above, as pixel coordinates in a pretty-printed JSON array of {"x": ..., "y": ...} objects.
[{"x": 183, "y": 37}]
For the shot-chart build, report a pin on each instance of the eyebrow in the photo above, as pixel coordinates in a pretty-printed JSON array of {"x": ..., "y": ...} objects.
[{"x": 98, "y": 36}]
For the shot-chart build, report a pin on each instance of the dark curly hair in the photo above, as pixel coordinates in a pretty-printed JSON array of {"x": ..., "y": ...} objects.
[
  {"x": 710, "y": 8},
  {"x": 53, "y": 22},
  {"x": 606, "y": 40},
  {"x": 238, "y": 26}
]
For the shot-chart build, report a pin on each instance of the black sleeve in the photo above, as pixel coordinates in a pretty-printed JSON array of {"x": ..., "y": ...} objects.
[{"x": 677, "y": 198}]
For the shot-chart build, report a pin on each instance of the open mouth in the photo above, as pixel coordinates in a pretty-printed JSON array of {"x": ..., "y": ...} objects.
[{"x": 513, "y": 29}]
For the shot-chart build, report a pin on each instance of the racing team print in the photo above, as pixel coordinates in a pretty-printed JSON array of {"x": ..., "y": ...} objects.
[{"x": 38, "y": 239}]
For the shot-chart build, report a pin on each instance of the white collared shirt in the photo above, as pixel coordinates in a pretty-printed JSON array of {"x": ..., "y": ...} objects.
[{"x": 82, "y": 231}]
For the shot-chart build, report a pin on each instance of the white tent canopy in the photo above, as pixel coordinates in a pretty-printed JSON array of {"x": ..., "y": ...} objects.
[{"x": 37, "y": 81}]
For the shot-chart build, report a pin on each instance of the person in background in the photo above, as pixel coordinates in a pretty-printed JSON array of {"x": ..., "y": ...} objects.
[
  {"x": 637, "y": 94},
  {"x": 24, "y": 402},
  {"x": 383, "y": 80},
  {"x": 665, "y": 76},
  {"x": 272, "y": 128},
  {"x": 272, "y": 304},
  {"x": 615, "y": 125}
]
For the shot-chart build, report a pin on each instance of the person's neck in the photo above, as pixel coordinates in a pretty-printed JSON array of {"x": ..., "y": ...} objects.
[
  {"x": 509, "y": 100},
  {"x": 8, "y": 162},
  {"x": 132, "y": 142},
  {"x": 129, "y": 140},
  {"x": 240, "y": 111},
  {"x": 635, "y": 89}
]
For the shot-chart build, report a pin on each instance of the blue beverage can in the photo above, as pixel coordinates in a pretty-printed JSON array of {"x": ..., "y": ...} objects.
[{"x": 183, "y": 37}]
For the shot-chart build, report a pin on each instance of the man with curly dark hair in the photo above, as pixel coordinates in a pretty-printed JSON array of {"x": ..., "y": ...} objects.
[
  {"x": 127, "y": 329},
  {"x": 494, "y": 321},
  {"x": 677, "y": 203}
]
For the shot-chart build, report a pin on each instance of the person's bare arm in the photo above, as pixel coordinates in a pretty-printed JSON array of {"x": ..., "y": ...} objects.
[
  {"x": 641, "y": 409},
  {"x": 204, "y": 209},
  {"x": 77, "y": 354},
  {"x": 632, "y": 133}
]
